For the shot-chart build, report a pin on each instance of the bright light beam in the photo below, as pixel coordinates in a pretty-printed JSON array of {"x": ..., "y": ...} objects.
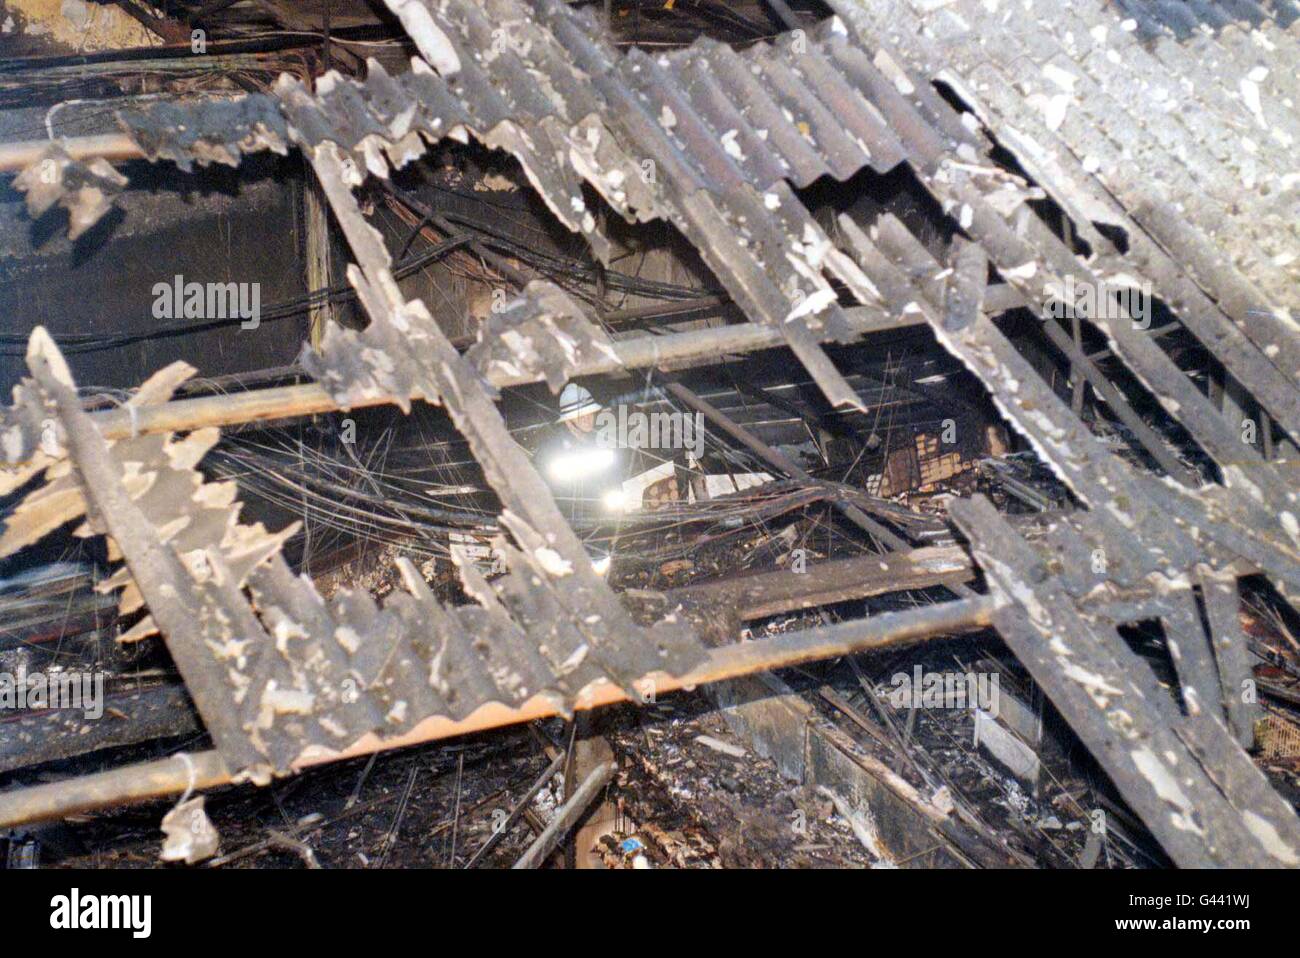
[{"x": 572, "y": 465}]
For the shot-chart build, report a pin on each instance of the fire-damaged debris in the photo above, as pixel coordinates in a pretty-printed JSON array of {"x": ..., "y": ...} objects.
[
  {"x": 543, "y": 334},
  {"x": 1183, "y": 774},
  {"x": 210, "y": 131},
  {"x": 288, "y": 674},
  {"x": 656, "y": 138},
  {"x": 85, "y": 189},
  {"x": 190, "y": 837},
  {"x": 1063, "y": 460},
  {"x": 188, "y": 513}
]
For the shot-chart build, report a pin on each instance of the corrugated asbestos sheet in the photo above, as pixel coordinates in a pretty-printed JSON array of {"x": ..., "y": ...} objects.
[
  {"x": 1170, "y": 122},
  {"x": 1138, "y": 118},
  {"x": 278, "y": 673},
  {"x": 706, "y": 138},
  {"x": 85, "y": 190}
]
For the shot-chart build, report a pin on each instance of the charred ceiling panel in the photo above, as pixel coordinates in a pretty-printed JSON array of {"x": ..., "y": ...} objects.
[
  {"x": 1196, "y": 790},
  {"x": 113, "y": 291},
  {"x": 211, "y": 131},
  {"x": 543, "y": 334}
]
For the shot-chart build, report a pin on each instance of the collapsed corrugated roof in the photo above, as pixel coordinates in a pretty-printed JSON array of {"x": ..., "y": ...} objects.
[{"x": 716, "y": 142}]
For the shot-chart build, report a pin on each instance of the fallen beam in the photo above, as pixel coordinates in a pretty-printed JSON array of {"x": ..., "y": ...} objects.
[
  {"x": 759, "y": 595},
  {"x": 172, "y": 776},
  {"x": 783, "y": 463},
  {"x": 114, "y": 147},
  {"x": 137, "y": 716},
  {"x": 566, "y": 816},
  {"x": 309, "y": 399}
]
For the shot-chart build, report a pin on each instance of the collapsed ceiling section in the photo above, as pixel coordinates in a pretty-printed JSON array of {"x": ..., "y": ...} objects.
[{"x": 1100, "y": 238}]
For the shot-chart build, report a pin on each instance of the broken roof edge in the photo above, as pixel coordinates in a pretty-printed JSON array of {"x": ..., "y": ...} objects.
[{"x": 205, "y": 770}]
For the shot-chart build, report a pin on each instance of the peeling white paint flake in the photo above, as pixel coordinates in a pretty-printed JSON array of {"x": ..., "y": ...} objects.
[
  {"x": 1167, "y": 788},
  {"x": 812, "y": 305},
  {"x": 1062, "y": 78},
  {"x": 578, "y": 656},
  {"x": 1250, "y": 96},
  {"x": 667, "y": 118},
  {"x": 347, "y": 638},
  {"x": 286, "y": 701},
  {"x": 1291, "y": 526},
  {"x": 553, "y": 563},
  {"x": 1261, "y": 41},
  {"x": 1269, "y": 838},
  {"x": 1054, "y": 111},
  {"x": 814, "y": 247},
  {"x": 397, "y": 714},
  {"x": 1024, "y": 271},
  {"x": 1095, "y": 685},
  {"x": 730, "y": 145},
  {"x": 431, "y": 42}
]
